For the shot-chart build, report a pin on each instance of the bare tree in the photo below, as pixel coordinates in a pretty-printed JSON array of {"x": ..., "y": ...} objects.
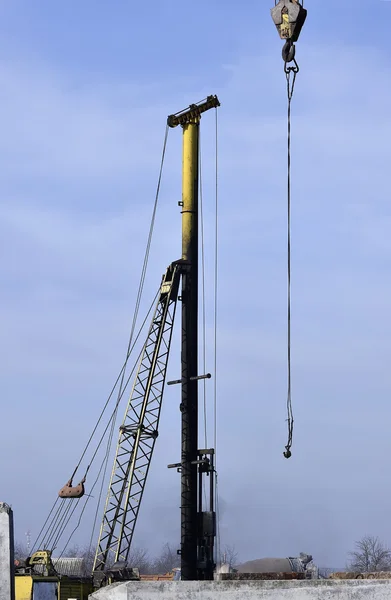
[
  {"x": 370, "y": 555},
  {"x": 74, "y": 551},
  {"x": 167, "y": 561},
  {"x": 88, "y": 555},
  {"x": 20, "y": 551},
  {"x": 140, "y": 559},
  {"x": 229, "y": 555}
]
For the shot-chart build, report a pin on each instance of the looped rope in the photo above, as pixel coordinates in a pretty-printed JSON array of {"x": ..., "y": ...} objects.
[{"x": 289, "y": 70}]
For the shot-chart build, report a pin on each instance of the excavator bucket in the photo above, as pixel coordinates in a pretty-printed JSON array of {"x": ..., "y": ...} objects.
[
  {"x": 289, "y": 17},
  {"x": 69, "y": 491}
]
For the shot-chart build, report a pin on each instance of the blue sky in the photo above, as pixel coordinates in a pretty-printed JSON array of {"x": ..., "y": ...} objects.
[{"x": 85, "y": 94}]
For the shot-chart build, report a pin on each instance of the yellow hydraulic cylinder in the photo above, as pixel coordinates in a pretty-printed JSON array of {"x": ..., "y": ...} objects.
[{"x": 190, "y": 191}]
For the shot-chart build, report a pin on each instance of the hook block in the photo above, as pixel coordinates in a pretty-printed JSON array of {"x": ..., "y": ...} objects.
[{"x": 288, "y": 17}]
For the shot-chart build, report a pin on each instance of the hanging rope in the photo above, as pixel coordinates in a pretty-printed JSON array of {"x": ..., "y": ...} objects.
[
  {"x": 203, "y": 292},
  {"x": 121, "y": 375},
  {"x": 47, "y": 519},
  {"x": 52, "y": 532},
  {"x": 215, "y": 282},
  {"x": 103, "y": 480},
  {"x": 146, "y": 255},
  {"x": 103, "y": 466},
  {"x": 217, "y": 499},
  {"x": 290, "y": 73},
  {"x": 289, "y": 17}
]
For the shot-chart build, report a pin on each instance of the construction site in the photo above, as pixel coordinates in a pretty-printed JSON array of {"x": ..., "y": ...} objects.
[{"x": 107, "y": 481}]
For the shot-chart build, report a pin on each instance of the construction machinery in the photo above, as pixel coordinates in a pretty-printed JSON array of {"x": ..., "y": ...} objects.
[
  {"x": 139, "y": 429},
  {"x": 41, "y": 578}
]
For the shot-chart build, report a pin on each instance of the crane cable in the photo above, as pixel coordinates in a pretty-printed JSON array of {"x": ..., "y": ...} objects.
[
  {"x": 203, "y": 306},
  {"x": 289, "y": 17},
  {"x": 290, "y": 81},
  {"x": 113, "y": 418},
  {"x": 121, "y": 376},
  {"x": 203, "y": 287},
  {"x": 103, "y": 465},
  {"x": 123, "y": 385},
  {"x": 216, "y": 264},
  {"x": 59, "y": 517}
]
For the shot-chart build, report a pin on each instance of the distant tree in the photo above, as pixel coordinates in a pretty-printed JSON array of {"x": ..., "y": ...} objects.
[
  {"x": 140, "y": 559},
  {"x": 370, "y": 555},
  {"x": 74, "y": 551},
  {"x": 20, "y": 551},
  {"x": 229, "y": 555},
  {"x": 166, "y": 561},
  {"x": 88, "y": 554}
]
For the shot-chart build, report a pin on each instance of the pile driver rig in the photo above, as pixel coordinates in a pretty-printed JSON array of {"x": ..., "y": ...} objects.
[{"x": 139, "y": 429}]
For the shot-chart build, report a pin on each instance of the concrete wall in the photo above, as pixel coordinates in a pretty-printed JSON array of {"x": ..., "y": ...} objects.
[
  {"x": 7, "y": 582},
  {"x": 247, "y": 590}
]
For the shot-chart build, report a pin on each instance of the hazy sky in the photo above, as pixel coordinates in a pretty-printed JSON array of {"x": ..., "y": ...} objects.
[{"x": 85, "y": 92}]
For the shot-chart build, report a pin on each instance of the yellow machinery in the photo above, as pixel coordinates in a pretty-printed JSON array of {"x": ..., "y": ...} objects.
[
  {"x": 38, "y": 577},
  {"x": 23, "y": 587}
]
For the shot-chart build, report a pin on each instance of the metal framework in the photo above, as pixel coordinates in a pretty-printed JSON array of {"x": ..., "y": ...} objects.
[
  {"x": 194, "y": 111},
  {"x": 192, "y": 567},
  {"x": 138, "y": 432},
  {"x": 206, "y": 514}
]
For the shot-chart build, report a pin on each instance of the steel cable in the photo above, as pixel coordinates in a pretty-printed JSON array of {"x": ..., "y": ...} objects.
[
  {"x": 138, "y": 300},
  {"x": 217, "y": 509},
  {"x": 203, "y": 292},
  {"x": 58, "y": 519},
  {"x": 290, "y": 88}
]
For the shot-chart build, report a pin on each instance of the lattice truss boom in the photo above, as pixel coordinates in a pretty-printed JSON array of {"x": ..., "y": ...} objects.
[{"x": 138, "y": 431}]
